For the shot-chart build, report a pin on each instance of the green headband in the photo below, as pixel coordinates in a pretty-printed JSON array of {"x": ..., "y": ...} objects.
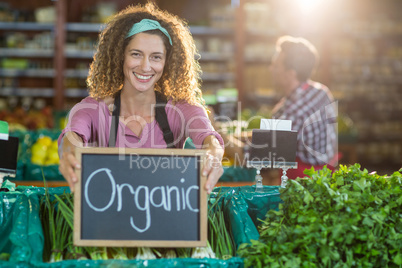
[{"x": 147, "y": 25}]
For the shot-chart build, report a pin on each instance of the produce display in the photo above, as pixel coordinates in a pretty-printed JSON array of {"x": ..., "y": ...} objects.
[
  {"x": 21, "y": 119},
  {"x": 220, "y": 237},
  {"x": 57, "y": 217},
  {"x": 37, "y": 155},
  {"x": 45, "y": 151},
  {"x": 351, "y": 218}
]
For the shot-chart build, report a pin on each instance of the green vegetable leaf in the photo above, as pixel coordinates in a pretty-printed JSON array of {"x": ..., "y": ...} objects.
[
  {"x": 308, "y": 197},
  {"x": 340, "y": 181},
  {"x": 398, "y": 259},
  {"x": 346, "y": 219},
  {"x": 367, "y": 221},
  {"x": 360, "y": 184}
]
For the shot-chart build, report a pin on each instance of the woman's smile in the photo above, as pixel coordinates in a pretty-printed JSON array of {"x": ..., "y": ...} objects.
[{"x": 143, "y": 77}]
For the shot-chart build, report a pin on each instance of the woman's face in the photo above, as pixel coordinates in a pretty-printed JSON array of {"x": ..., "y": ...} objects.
[{"x": 144, "y": 60}]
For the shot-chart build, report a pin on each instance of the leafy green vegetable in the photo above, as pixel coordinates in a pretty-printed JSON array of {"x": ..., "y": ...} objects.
[
  {"x": 346, "y": 219},
  {"x": 220, "y": 236}
]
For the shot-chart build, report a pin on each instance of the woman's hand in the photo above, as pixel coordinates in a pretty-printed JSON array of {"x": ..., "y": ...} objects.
[
  {"x": 213, "y": 165},
  {"x": 68, "y": 163}
]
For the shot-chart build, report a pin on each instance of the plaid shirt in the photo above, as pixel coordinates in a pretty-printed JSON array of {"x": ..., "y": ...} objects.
[{"x": 313, "y": 113}]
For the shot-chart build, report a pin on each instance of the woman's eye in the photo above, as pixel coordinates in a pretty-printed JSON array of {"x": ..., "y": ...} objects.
[
  {"x": 135, "y": 54},
  {"x": 157, "y": 58}
]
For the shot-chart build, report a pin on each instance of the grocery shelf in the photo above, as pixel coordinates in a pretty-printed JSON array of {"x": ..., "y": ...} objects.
[
  {"x": 380, "y": 137},
  {"x": 257, "y": 61},
  {"x": 76, "y": 93},
  {"x": 264, "y": 99},
  {"x": 27, "y": 92},
  {"x": 27, "y": 52},
  {"x": 204, "y": 56},
  {"x": 347, "y": 59},
  {"x": 195, "y": 30},
  {"x": 76, "y": 73},
  {"x": 85, "y": 27},
  {"x": 256, "y": 35},
  {"x": 81, "y": 54},
  {"x": 214, "y": 56},
  {"x": 41, "y": 92},
  {"x": 217, "y": 76},
  {"x": 369, "y": 79},
  {"x": 388, "y": 80},
  {"x": 204, "y": 30},
  {"x": 26, "y": 26},
  {"x": 362, "y": 35},
  {"x": 45, "y": 73},
  {"x": 73, "y": 52}
]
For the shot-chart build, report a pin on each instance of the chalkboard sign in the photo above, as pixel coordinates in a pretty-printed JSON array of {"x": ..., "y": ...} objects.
[{"x": 140, "y": 197}]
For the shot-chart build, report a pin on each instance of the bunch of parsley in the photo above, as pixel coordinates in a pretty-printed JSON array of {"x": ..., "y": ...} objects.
[{"x": 350, "y": 218}]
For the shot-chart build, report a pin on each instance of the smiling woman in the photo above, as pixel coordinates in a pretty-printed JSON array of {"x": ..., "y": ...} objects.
[
  {"x": 144, "y": 92},
  {"x": 180, "y": 78}
]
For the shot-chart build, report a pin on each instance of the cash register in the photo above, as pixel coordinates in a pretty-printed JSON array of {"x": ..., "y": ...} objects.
[
  {"x": 8, "y": 153},
  {"x": 273, "y": 146}
]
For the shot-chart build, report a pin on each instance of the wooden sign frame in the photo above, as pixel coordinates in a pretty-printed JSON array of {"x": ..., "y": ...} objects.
[{"x": 119, "y": 152}]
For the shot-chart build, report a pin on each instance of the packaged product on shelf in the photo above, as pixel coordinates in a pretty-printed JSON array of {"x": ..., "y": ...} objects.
[
  {"x": 258, "y": 17},
  {"x": 227, "y": 104},
  {"x": 222, "y": 17},
  {"x": 45, "y": 14}
]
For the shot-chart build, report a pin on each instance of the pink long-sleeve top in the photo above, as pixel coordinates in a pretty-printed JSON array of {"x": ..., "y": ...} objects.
[{"x": 91, "y": 120}]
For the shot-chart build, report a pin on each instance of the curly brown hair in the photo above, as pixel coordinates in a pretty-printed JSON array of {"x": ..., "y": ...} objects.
[{"x": 181, "y": 75}]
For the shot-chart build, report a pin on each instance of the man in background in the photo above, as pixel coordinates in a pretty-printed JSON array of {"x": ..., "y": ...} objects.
[{"x": 308, "y": 104}]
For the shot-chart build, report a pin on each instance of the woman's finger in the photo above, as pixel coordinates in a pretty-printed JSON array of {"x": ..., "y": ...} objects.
[
  {"x": 213, "y": 178},
  {"x": 73, "y": 163},
  {"x": 208, "y": 164},
  {"x": 213, "y": 170},
  {"x": 67, "y": 167}
]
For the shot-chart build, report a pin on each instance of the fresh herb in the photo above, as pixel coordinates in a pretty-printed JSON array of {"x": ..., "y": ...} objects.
[
  {"x": 351, "y": 218},
  {"x": 220, "y": 236},
  {"x": 56, "y": 229}
]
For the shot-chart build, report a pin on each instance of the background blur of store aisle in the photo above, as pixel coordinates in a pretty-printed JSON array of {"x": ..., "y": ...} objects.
[{"x": 44, "y": 61}]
